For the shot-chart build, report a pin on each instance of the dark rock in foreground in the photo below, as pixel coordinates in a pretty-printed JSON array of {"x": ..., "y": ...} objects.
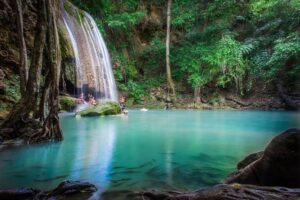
[
  {"x": 226, "y": 192},
  {"x": 249, "y": 159},
  {"x": 278, "y": 166},
  {"x": 65, "y": 190}
]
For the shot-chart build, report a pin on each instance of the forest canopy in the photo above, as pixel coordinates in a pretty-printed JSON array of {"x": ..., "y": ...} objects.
[{"x": 237, "y": 45}]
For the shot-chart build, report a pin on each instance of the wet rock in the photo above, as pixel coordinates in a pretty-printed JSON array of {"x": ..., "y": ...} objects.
[
  {"x": 279, "y": 165},
  {"x": 249, "y": 159},
  {"x": 109, "y": 108},
  {"x": 17, "y": 194},
  {"x": 72, "y": 187},
  {"x": 225, "y": 192},
  {"x": 65, "y": 190}
]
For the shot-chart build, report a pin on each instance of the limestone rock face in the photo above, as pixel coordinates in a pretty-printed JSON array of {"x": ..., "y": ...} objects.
[
  {"x": 109, "y": 108},
  {"x": 279, "y": 165}
]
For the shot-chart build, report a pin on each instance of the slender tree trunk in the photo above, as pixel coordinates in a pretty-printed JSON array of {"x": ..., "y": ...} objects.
[
  {"x": 21, "y": 112},
  {"x": 168, "y": 67},
  {"x": 23, "y": 68},
  {"x": 197, "y": 95},
  {"x": 46, "y": 127}
]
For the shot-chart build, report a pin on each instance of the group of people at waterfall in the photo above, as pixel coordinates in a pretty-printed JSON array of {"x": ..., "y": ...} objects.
[{"x": 90, "y": 99}]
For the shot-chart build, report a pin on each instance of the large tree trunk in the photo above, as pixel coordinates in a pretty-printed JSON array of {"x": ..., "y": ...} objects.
[
  {"x": 51, "y": 128},
  {"x": 27, "y": 120},
  {"x": 168, "y": 67},
  {"x": 23, "y": 68}
]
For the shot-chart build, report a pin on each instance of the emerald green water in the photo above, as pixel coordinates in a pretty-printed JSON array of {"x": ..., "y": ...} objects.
[{"x": 155, "y": 149}]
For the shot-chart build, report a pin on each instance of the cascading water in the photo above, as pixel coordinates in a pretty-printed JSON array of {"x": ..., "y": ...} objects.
[{"x": 93, "y": 66}]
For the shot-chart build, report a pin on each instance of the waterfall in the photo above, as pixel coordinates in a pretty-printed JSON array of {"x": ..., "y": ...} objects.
[{"x": 92, "y": 61}]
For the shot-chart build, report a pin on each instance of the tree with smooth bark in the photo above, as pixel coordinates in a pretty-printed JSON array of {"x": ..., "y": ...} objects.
[{"x": 168, "y": 67}]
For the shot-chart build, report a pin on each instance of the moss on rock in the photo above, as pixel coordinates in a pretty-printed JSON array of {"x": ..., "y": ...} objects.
[
  {"x": 67, "y": 103},
  {"x": 108, "y": 108}
]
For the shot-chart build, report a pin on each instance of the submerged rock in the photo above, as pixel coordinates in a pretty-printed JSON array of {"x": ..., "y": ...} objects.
[
  {"x": 278, "y": 166},
  {"x": 108, "y": 108},
  {"x": 65, "y": 190}
]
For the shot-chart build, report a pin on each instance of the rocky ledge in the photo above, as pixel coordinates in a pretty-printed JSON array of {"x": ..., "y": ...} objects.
[{"x": 226, "y": 192}]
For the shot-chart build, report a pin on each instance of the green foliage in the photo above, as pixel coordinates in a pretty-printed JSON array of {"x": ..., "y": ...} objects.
[
  {"x": 228, "y": 57},
  {"x": 108, "y": 108},
  {"x": 284, "y": 49},
  {"x": 222, "y": 44},
  {"x": 12, "y": 87},
  {"x": 66, "y": 103},
  {"x": 134, "y": 89},
  {"x": 124, "y": 20},
  {"x": 185, "y": 13},
  {"x": 153, "y": 56}
]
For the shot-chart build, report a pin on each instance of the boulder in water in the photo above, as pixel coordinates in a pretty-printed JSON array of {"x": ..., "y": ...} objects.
[
  {"x": 108, "y": 108},
  {"x": 278, "y": 166}
]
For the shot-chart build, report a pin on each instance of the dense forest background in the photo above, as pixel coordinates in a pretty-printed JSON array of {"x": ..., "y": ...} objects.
[
  {"x": 233, "y": 53},
  {"x": 246, "y": 48}
]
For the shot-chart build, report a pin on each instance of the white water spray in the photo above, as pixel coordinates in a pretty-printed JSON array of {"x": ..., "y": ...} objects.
[{"x": 93, "y": 65}]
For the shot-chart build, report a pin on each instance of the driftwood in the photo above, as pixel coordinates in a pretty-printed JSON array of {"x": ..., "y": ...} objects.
[{"x": 67, "y": 189}]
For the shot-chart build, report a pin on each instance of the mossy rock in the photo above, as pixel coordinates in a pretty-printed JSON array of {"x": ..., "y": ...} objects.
[
  {"x": 109, "y": 108},
  {"x": 67, "y": 103}
]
